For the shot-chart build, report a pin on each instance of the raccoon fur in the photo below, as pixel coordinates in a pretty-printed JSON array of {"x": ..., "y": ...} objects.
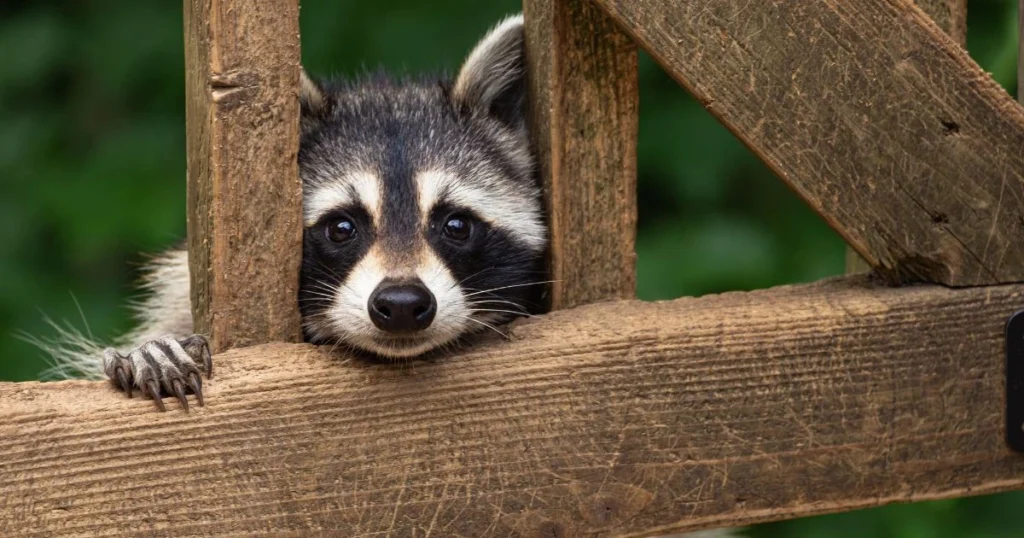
[{"x": 423, "y": 223}]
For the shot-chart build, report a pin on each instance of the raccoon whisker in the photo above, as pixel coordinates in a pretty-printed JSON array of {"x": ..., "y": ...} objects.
[
  {"x": 321, "y": 300},
  {"x": 516, "y": 273},
  {"x": 488, "y": 325},
  {"x": 320, "y": 294},
  {"x": 497, "y": 300},
  {"x": 512, "y": 286},
  {"x": 341, "y": 281},
  {"x": 483, "y": 307},
  {"x": 523, "y": 304},
  {"x": 331, "y": 288},
  {"x": 337, "y": 343},
  {"x": 326, "y": 293},
  {"x": 317, "y": 295},
  {"x": 320, "y": 287},
  {"x": 325, "y": 284},
  {"x": 516, "y": 313},
  {"x": 325, "y": 288}
]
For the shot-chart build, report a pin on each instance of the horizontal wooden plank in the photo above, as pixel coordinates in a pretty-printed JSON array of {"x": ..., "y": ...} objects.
[
  {"x": 879, "y": 120},
  {"x": 584, "y": 105},
  {"x": 244, "y": 193},
  {"x": 621, "y": 418}
]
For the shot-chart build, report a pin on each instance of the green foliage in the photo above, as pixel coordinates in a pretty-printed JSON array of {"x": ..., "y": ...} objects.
[{"x": 92, "y": 170}]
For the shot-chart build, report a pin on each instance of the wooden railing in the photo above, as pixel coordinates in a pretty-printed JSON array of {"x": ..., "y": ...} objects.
[{"x": 618, "y": 418}]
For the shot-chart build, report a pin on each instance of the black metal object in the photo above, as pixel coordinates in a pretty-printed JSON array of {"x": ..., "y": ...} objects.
[{"x": 1015, "y": 381}]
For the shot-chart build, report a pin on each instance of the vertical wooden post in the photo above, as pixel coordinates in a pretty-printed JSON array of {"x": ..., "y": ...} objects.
[
  {"x": 244, "y": 194},
  {"x": 951, "y": 16},
  {"x": 584, "y": 97}
]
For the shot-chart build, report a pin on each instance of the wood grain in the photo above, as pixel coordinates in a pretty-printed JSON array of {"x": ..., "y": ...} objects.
[
  {"x": 623, "y": 418},
  {"x": 880, "y": 121},
  {"x": 584, "y": 95},
  {"x": 951, "y": 16},
  {"x": 244, "y": 194}
]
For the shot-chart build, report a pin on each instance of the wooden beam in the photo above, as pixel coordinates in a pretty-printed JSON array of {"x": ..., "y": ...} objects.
[
  {"x": 951, "y": 16},
  {"x": 880, "y": 121},
  {"x": 624, "y": 418},
  {"x": 244, "y": 194},
  {"x": 584, "y": 91}
]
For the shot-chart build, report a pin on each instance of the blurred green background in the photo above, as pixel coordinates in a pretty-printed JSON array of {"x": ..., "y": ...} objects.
[{"x": 92, "y": 165}]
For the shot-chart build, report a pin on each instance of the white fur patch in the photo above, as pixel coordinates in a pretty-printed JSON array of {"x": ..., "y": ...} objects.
[
  {"x": 348, "y": 314},
  {"x": 362, "y": 187},
  {"x": 494, "y": 201},
  {"x": 452, "y": 310},
  {"x": 349, "y": 317}
]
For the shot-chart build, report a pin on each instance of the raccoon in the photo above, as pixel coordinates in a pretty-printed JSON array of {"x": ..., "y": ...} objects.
[
  {"x": 423, "y": 223},
  {"x": 422, "y": 216}
]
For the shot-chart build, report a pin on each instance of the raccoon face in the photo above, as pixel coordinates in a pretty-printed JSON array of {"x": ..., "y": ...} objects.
[{"x": 422, "y": 212}]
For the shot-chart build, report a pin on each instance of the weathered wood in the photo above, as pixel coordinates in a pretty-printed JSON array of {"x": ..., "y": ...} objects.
[
  {"x": 624, "y": 418},
  {"x": 854, "y": 263},
  {"x": 584, "y": 92},
  {"x": 244, "y": 194},
  {"x": 951, "y": 16},
  {"x": 881, "y": 122}
]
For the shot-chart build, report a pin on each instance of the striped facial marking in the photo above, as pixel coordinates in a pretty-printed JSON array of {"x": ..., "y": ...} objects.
[{"x": 497, "y": 202}]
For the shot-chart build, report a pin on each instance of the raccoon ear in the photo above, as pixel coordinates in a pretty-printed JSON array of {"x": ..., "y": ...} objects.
[
  {"x": 312, "y": 98},
  {"x": 493, "y": 77}
]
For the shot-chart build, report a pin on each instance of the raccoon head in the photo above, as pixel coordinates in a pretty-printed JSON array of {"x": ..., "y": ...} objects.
[{"x": 422, "y": 214}]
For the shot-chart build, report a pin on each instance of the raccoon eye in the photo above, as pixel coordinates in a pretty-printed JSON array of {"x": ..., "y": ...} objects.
[
  {"x": 340, "y": 230},
  {"x": 458, "y": 227}
]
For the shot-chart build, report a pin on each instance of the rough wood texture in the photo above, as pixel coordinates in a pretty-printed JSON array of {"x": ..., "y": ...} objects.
[
  {"x": 880, "y": 121},
  {"x": 244, "y": 195},
  {"x": 623, "y": 418},
  {"x": 854, "y": 263},
  {"x": 951, "y": 16},
  {"x": 584, "y": 91}
]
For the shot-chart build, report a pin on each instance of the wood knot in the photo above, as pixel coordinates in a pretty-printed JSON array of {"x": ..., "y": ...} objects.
[
  {"x": 233, "y": 88},
  {"x": 950, "y": 128}
]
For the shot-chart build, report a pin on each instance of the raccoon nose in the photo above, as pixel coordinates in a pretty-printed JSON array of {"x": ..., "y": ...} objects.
[{"x": 407, "y": 307}]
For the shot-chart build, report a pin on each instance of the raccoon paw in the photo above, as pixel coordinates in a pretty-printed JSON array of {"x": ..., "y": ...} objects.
[{"x": 165, "y": 366}]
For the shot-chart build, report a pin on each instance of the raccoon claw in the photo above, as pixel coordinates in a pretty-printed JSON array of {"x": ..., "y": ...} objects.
[
  {"x": 195, "y": 382},
  {"x": 175, "y": 366},
  {"x": 154, "y": 392},
  {"x": 179, "y": 392},
  {"x": 122, "y": 381}
]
